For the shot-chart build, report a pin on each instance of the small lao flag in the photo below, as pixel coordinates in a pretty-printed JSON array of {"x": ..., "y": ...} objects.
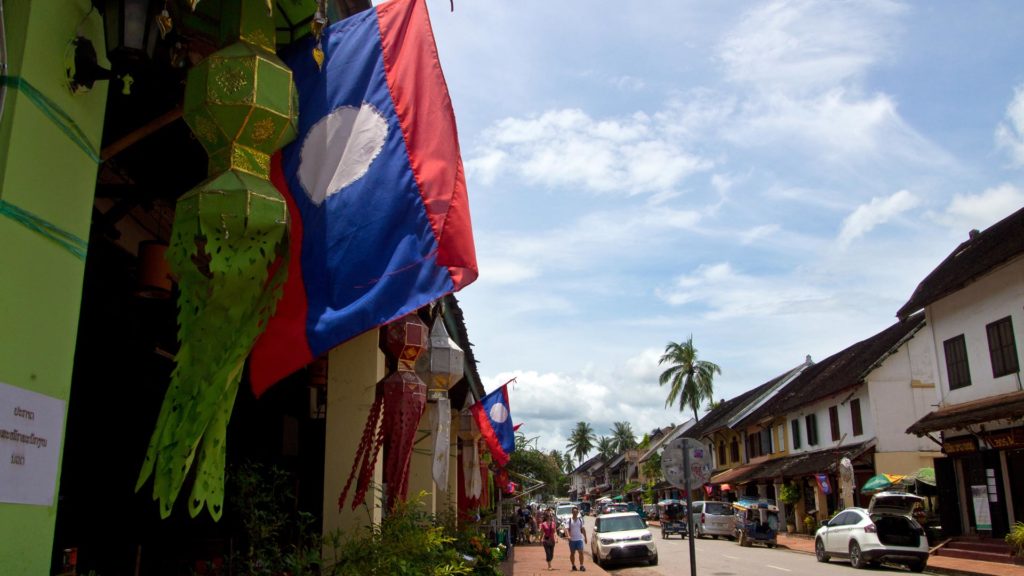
[
  {"x": 375, "y": 187},
  {"x": 494, "y": 419}
]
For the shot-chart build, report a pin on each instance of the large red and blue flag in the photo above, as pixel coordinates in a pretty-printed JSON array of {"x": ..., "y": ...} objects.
[
  {"x": 494, "y": 418},
  {"x": 375, "y": 187}
]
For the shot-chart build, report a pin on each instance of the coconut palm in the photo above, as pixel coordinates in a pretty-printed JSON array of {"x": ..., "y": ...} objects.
[
  {"x": 689, "y": 379},
  {"x": 623, "y": 437},
  {"x": 606, "y": 447},
  {"x": 581, "y": 441}
]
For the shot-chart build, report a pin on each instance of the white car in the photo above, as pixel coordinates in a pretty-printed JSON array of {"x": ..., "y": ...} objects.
[
  {"x": 562, "y": 515},
  {"x": 885, "y": 531},
  {"x": 713, "y": 519},
  {"x": 622, "y": 536}
]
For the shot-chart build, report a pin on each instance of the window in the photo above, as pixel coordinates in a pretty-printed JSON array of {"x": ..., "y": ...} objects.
[
  {"x": 795, "y": 424},
  {"x": 754, "y": 445},
  {"x": 721, "y": 452},
  {"x": 956, "y": 362},
  {"x": 858, "y": 425},
  {"x": 780, "y": 437},
  {"x": 811, "y": 420},
  {"x": 833, "y": 421},
  {"x": 766, "y": 441},
  {"x": 1002, "y": 348},
  {"x": 734, "y": 450}
]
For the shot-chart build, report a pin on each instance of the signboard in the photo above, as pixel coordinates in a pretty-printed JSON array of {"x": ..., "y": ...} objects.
[
  {"x": 1012, "y": 438},
  {"x": 30, "y": 434},
  {"x": 960, "y": 445},
  {"x": 982, "y": 515},
  {"x": 690, "y": 470}
]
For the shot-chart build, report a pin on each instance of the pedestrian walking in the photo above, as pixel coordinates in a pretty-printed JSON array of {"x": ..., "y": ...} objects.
[
  {"x": 548, "y": 535},
  {"x": 577, "y": 538}
]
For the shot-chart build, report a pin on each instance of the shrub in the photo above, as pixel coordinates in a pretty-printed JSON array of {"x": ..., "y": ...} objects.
[{"x": 1015, "y": 538}]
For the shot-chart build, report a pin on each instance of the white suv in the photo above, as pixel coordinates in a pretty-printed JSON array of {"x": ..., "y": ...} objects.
[
  {"x": 622, "y": 536},
  {"x": 885, "y": 531}
]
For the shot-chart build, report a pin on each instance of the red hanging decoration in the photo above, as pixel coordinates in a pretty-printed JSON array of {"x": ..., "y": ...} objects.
[{"x": 397, "y": 408}]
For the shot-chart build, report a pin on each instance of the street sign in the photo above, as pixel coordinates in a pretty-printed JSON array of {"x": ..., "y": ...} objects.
[{"x": 687, "y": 471}]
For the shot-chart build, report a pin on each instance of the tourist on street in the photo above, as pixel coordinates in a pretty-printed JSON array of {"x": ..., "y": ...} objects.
[
  {"x": 577, "y": 538},
  {"x": 547, "y": 537}
]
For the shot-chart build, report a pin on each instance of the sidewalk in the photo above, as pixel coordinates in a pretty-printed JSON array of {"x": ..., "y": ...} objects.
[
  {"x": 938, "y": 564},
  {"x": 528, "y": 560}
]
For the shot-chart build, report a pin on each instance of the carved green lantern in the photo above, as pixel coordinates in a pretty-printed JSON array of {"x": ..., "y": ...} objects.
[{"x": 241, "y": 104}]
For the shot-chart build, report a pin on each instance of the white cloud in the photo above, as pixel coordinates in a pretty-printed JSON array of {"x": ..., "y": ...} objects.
[
  {"x": 1010, "y": 132},
  {"x": 758, "y": 233},
  {"x": 628, "y": 83},
  {"x": 728, "y": 294},
  {"x": 878, "y": 211},
  {"x": 567, "y": 148},
  {"x": 808, "y": 44},
  {"x": 967, "y": 211}
]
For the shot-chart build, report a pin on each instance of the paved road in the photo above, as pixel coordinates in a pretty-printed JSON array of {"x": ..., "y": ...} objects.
[{"x": 726, "y": 558}]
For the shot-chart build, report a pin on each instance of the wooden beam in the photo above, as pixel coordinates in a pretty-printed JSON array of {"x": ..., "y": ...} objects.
[{"x": 130, "y": 139}]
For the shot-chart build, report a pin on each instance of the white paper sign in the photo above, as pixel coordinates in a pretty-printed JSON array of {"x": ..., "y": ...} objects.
[
  {"x": 982, "y": 515},
  {"x": 30, "y": 440}
]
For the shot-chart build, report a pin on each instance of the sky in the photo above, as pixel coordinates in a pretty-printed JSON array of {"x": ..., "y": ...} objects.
[{"x": 771, "y": 178}]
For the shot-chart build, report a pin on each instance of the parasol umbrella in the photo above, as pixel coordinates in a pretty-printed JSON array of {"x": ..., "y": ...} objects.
[
  {"x": 923, "y": 475},
  {"x": 880, "y": 482}
]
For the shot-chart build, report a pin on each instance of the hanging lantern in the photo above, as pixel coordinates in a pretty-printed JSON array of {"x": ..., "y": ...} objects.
[
  {"x": 131, "y": 29},
  {"x": 154, "y": 271},
  {"x": 444, "y": 366},
  {"x": 398, "y": 406}
]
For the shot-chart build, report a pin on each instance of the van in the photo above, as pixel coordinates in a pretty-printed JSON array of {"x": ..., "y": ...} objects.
[{"x": 713, "y": 519}]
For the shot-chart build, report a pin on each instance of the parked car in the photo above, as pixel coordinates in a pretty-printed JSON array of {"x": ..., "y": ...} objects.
[
  {"x": 562, "y": 514},
  {"x": 885, "y": 531},
  {"x": 622, "y": 536},
  {"x": 615, "y": 507},
  {"x": 713, "y": 519}
]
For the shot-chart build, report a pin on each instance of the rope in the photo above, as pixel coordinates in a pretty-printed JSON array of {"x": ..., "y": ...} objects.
[
  {"x": 51, "y": 110},
  {"x": 61, "y": 237}
]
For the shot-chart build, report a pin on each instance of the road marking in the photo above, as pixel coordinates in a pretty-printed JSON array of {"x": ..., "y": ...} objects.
[
  {"x": 778, "y": 568},
  {"x": 730, "y": 557}
]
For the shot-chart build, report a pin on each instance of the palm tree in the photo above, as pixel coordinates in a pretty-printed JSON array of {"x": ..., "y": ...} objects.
[
  {"x": 690, "y": 379},
  {"x": 606, "y": 447},
  {"x": 623, "y": 437},
  {"x": 581, "y": 441}
]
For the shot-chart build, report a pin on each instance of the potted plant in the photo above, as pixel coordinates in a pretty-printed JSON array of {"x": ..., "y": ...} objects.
[
  {"x": 789, "y": 495},
  {"x": 1015, "y": 538},
  {"x": 809, "y": 524}
]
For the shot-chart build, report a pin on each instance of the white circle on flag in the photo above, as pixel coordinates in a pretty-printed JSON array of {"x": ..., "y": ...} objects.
[
  {"x": 339, "y": 149},
  {"x": 498, "y": 413}
]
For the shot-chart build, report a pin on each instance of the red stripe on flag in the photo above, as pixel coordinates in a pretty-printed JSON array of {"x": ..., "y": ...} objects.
[
  {"x": 283, "y": 345},
  {"x": 425, "y": 114},
  {"x": 488, "y": 434}
]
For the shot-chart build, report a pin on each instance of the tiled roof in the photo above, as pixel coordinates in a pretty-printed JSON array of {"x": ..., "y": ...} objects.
[
  {"x": 983, "y": 252},
  {"x": 839, "y": 371},
  {"x": 716, "y": 418}
]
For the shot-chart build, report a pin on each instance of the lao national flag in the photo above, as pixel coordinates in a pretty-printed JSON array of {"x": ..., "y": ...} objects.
[
  {"x": 375, "y": 187},
  {"x": 494, "y": 419}
]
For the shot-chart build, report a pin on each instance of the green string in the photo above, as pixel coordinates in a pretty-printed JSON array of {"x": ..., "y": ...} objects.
[
  {"x": 51, "y": 110},
  {"x": 62, "y": 238}
]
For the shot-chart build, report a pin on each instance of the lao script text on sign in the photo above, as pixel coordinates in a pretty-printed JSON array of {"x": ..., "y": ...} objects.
[{"x": 30, "y": 440}]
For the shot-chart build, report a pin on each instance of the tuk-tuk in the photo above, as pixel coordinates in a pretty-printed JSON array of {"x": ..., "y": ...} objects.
[
  {"x": 672, "y": 515},
  {"x": 756, "y": 522}
]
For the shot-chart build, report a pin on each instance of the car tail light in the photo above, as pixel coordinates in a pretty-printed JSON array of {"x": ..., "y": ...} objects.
[
  {"x": 871, "y": 529},
  {"x": 702, "y": 518}
]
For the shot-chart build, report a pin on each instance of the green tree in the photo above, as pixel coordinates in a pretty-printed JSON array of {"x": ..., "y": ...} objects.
[
  {"x": 606, "y": 447},
  {"x": 689, "y": 378},
  {"x": 623, "y": 437},
  {"x": 531, "y": 462},
  {"x": 581, "y": 441},
  {"x": 652, "y": 467}
]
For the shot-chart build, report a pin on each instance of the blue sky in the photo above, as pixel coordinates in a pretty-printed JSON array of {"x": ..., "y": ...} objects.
[{"x": 773, "y": 178}]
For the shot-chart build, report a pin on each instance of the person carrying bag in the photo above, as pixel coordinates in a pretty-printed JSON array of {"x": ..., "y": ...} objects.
[{"x": 548, "y": 536}]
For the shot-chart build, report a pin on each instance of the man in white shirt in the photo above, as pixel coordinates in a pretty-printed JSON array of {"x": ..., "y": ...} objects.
[{"x": 577, "y": 537}]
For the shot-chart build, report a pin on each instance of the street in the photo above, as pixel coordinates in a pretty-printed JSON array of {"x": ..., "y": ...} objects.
[{"x": 725, "y": 558}]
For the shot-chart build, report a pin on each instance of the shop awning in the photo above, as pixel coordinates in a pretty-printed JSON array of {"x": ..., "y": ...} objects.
[
  {"x": 808, "y": 463},
  {"x": 735, "y": 475},
  {"x": 1004, "y": 406}
]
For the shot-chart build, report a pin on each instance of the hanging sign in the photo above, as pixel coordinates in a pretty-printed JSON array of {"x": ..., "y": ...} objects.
[
  {"x": 31, "y": 425},
  {"x": 960, "y": 445},
  {"x": 1012, "y": 438}
]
